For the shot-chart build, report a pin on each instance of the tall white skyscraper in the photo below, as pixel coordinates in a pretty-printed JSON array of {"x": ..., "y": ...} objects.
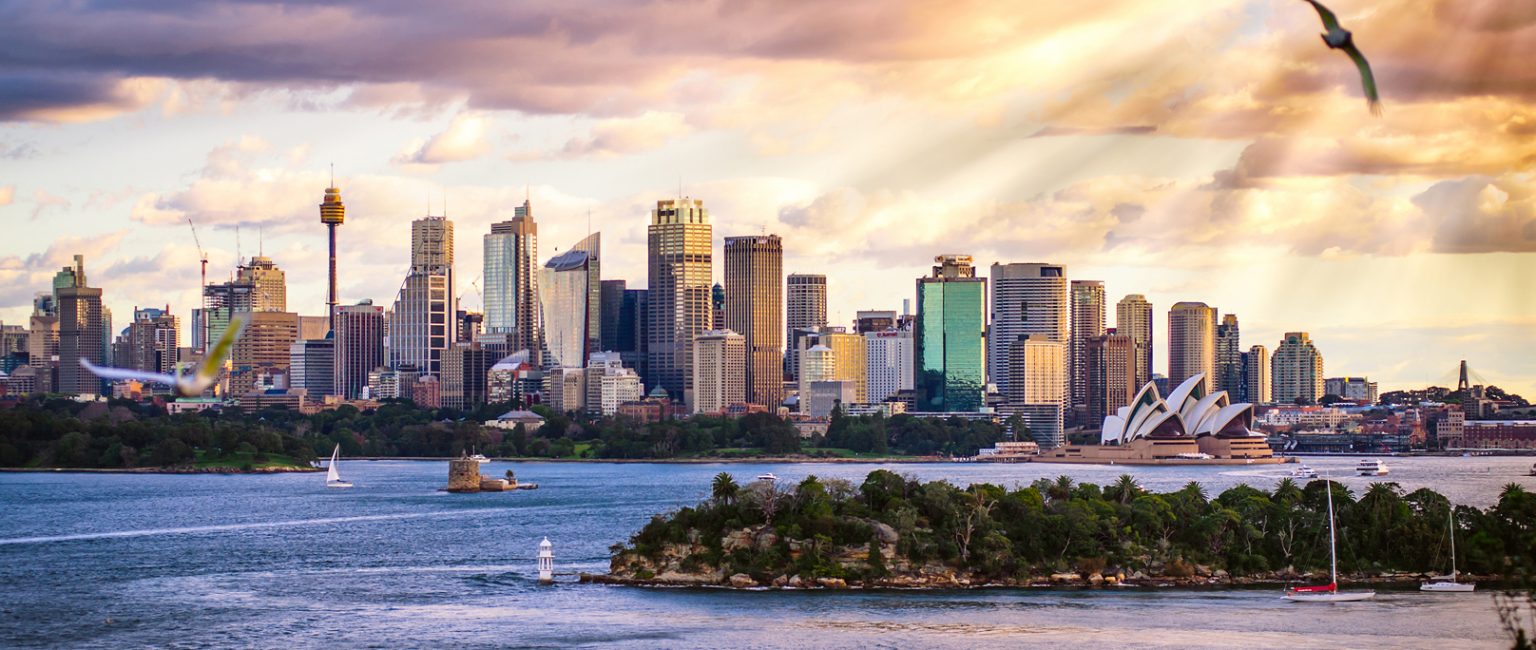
[
  {"x": 1026, "y": 299},
  {"x": 719, "y": 371}
]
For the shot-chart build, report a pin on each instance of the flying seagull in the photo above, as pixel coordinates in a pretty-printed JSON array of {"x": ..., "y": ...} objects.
[
  {"x": 1338, "y": 38},
  {"x": 186, "y": 384}
]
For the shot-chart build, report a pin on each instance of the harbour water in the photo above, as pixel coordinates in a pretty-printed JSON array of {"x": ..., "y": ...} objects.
[{"x": 193, "y": 561}]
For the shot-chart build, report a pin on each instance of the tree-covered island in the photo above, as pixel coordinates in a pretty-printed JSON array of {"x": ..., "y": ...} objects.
[{"x": 893, "y": 531}]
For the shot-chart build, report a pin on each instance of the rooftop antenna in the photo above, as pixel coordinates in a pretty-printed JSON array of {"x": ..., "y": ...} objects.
[
  {"x": 589, "y": 222},
  {"x": 261, "y": 241},
  {"x": 333, "y": 174},
  {"x": 239, "y": 261}
]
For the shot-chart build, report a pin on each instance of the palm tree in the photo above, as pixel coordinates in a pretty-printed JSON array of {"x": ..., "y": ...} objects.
[
  {"x": 724, "y": 488},
  {"x": 1126, "y": 489}
]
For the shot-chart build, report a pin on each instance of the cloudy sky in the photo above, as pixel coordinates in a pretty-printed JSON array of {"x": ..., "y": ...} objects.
[{"x": 1214, "y": 151}]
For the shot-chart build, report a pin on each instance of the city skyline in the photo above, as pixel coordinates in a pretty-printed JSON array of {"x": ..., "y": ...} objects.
[{"x": 1312, "y": 216}]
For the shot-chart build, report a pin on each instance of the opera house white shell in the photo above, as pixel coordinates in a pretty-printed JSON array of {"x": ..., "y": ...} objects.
[{"x": 1191, "y": 411}]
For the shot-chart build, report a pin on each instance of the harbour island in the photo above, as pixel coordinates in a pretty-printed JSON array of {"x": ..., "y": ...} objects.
[{"x": 892, "y": 531}]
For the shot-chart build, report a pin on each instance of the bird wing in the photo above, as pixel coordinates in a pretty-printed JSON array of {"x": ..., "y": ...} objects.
[
  {"x": 125, "y": 373},
  {"x": 1367, "y": 80},
  {"x": 1330, "y": 21},
  {"x": 215, "y": 359}
]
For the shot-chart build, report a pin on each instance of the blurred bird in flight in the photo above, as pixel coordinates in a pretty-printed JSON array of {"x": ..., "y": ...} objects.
[
  {"x": 1338, "y": 38},
  {"x": 187, "y": 384}
]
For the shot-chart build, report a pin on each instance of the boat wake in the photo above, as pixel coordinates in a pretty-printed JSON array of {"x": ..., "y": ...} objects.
[{"x": 189, "y": 530}]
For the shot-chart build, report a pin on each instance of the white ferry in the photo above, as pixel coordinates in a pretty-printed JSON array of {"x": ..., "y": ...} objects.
[
  {"x": 1371, "y": 467},
  {"x": 767, "y": 477},
  {"x": 1303, "y": 472}
]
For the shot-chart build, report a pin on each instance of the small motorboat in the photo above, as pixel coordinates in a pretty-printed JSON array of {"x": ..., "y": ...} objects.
[
  {"x": 480, "y": 458},
  {"x": 1303, "y": 472},
  {"x": 1371, "y": 467},
  {"x": 767, "y": 476}
]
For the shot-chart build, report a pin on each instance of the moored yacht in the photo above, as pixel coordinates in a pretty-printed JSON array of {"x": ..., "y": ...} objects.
[
  {"x": 1371, "y": 467},
  {"x": 1303, "y": 472}
]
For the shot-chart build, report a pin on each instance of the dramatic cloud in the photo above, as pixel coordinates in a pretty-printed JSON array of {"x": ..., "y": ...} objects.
[
  {"x": 464, "y": 139},
  {"x": 1482, "y": 214},
  {"x": 628, "y": 135}
]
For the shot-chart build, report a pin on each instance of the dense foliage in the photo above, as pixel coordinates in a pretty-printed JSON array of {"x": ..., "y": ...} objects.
[
  {"x": 38, "y": 432},
  {"x": 1002, "y": 534}
]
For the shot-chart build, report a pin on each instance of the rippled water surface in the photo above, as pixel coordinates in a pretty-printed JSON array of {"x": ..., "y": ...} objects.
[{"x": 111, "y": 560}]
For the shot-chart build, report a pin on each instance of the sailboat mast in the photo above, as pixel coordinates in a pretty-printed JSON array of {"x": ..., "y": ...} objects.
[
  {"x": 1450, "y": 516},
  {"x": 1333, "y": 553}
]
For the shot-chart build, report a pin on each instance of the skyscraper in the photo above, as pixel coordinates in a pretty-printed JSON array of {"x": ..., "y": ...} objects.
[
  {"x": 312, "y": 367},
  {"x": 572, "y": 300},
  {"x": 754, "y": 304},
  {"x": 632, "y": 332},
  {"x": 680, "y": 264},
  {"x": 951, "y": 340},
  {"x": 1229, "y": 360},
  {"x": 512, "y": 301},
  {"x": 269, "y": 285},
  {"x": 1133, "y": 318},
  {"x": 82, "y": 331},
  {"x": 888, "y": 363},
  {"x": 1296, "y": 370},
  {"x": 263, "y": 348},
  {"x": 1111, "y": 375},
  {"x": 332, "y": 213},
  {"x": 866, "y": 321},
  {"x": 1191, "y": 342},
  {"x": 805, "y": 299},
  {"x": 1087, "y": 324},
  {"x": 359, "y": 346},
  {"x": 1037, "y": 384},
  {"x": 850, "y": 361},
  {"x": 1026, "y": 299},
  {"x": 818, "y": 363},
  {"x": 152, "y": 341},
  {"x": 610, "y": 305},
  {"x": 719, "y": 371},
  {"x": 1257, "y": 389},
  {"x": 43, "y": 341},
  {"x": 421, "y": 325}
]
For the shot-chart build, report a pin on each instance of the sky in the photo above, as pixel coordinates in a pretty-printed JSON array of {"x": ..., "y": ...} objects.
[{"x": 1217, "y": 152}]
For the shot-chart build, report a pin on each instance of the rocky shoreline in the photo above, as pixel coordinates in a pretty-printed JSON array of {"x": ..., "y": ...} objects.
[{"x": 684, "y": 565}]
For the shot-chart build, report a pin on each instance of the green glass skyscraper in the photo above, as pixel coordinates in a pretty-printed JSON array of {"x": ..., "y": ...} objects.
[{"x": 951, "y": 337}]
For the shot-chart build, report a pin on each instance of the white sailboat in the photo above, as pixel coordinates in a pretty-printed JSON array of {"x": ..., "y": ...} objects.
[
  {"x": 1448, "y": 583},
  {"x": 1328, "y": 593},
  {"x": 333, "y": 477}
]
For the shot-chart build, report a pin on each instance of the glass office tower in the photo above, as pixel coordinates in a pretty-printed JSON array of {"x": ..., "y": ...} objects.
[{"x": 951, "y": 337}]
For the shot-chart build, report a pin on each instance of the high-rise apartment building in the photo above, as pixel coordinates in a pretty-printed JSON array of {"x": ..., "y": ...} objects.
[
  {"x": 1133, "y": 318},
  {"x": 1026, "y": 299},
  {"x": 572, "y": 300},
  {"x": 359, "y": 346},
  {"x": 950, "y": 344},
  {"x": 1296, "y": 369},
  {"x": 1037, "y": 386},
  {"x": 754, "y": 308},
  {"x": 1191, "y": 342},
  {"x": 1088, "y": 309},
  {"x": 1256, "y": 380},
  {"x": 719, "y": 371},
  {"x": 805, "y": 298},
  {"x": 511, "y": 272},
  {"x": 43, "y": 342},
  {"x": 610, "y": 306},
  {"x": 1229, "y": 360},
  {"x": 887, "y": 363},
  {"x": 83, "y": 331},
  {"x": 312, "y": 367},
  {"x": 421, "y": 325},
  {"x": 680, "y": 264},
  {"x": 1111, "y": 375}
]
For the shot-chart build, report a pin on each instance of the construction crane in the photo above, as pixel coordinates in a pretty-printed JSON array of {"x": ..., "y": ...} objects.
[{"x": 202, "y": 313}]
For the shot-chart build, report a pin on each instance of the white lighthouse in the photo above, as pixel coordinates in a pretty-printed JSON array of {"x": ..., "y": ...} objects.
[{"x": 546, "y": 562}]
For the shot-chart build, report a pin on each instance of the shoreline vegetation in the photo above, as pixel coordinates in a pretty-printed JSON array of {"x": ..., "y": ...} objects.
[{"x": 895, "y": 532}]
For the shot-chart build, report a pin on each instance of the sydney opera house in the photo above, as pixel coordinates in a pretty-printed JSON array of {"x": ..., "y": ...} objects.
[{"x": 1193, "y": 425}]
